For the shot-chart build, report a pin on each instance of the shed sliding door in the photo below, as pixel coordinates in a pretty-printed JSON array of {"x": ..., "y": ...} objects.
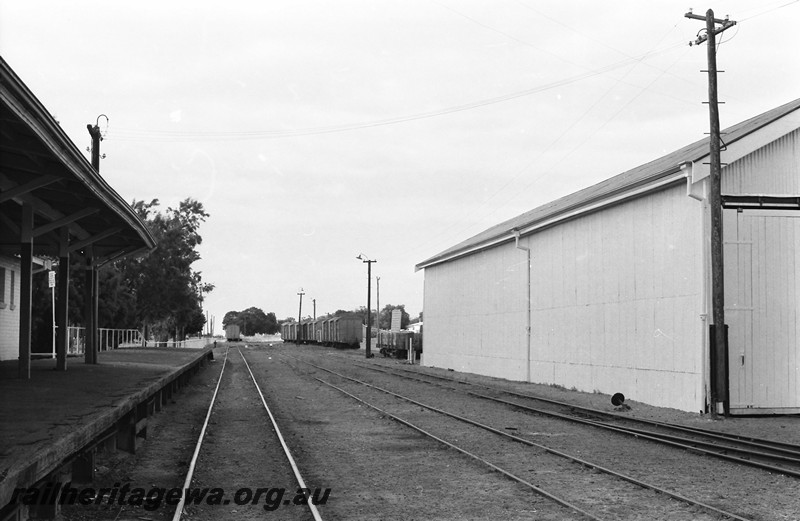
[{"x": 762, "y": 290}]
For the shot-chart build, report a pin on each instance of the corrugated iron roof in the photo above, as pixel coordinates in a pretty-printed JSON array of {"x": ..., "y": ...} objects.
[{"x": 660, "y": 168}]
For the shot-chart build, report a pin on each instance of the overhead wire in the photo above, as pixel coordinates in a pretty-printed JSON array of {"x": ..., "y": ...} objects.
[
  {"x": 542, "y": 152},
  {"x": 528, "y": 165},
  {"x": 127, "y": 134}
]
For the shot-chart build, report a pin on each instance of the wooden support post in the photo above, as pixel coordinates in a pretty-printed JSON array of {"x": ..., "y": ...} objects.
[
  {"x": 25, "y": 286},
  {"x": 90, "y": 284},
  {"x": 126, "y": 433},
  {"x": 62, "y": 311},
  {"x": 83, "y": 467}
]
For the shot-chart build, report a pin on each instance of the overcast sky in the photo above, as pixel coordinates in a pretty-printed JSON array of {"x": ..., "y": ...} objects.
[{"x": 313, "y": 131}]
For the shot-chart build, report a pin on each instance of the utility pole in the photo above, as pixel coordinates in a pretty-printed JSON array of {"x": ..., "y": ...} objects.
[
  {"x": 368, "y": 262},
  {"x": 378, "y": 304},
  {"x": 314, "y": 301},
  {"x": 300, "y": 312},
  {"x": 719, "y": 392},
  {"x": 90, "y": 271},
  {"x": 94, "y": 132}
]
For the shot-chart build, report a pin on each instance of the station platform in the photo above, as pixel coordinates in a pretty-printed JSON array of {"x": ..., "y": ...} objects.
[{"x": 51, "y": 424}]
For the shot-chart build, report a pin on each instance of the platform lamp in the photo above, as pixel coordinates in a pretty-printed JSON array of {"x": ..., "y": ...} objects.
[{"x": 363, "y": 258}]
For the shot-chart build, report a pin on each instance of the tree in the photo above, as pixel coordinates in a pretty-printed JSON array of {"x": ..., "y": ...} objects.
[
  {"x": 252, "y": 321},
  {"x": 160, "y": 289},
  {"x": 168, "y": 292}
]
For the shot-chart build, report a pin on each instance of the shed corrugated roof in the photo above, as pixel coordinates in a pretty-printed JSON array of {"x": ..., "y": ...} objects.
[{"x": 641, "y": 175}]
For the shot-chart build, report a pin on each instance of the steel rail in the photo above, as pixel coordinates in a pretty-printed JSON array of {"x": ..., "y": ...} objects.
[
  {"x": 188, "y": 481},
  {"x": 791, "y": 451},
  {"x": 286, "y": 450},
  {"x": 686, "y": 444},
  {"x": 506, "y": 473},
  {"x": 550, "y": 450}
]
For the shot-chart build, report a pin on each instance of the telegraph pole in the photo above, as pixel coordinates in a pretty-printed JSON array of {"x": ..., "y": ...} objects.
[
  {"x": 378, "y": 304},
  {"x": 368, "y": 262},
  {"x": 300, "y": 312},
  {"x": 90, "y": 271},
  {"x": 719, "y": 392},
  {"x": 94, "y": 132},
  {"x": 369, "y": 306}
]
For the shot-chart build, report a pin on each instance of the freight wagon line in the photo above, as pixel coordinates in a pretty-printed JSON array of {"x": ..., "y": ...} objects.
[
  {"x": 629, "y": 479},
  {"x": 779, "y": 452}
]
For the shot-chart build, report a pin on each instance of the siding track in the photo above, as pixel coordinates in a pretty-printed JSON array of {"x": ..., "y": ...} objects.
[
  {"x": 770, "y": 455},
  {"x": 562, "y": 498}
]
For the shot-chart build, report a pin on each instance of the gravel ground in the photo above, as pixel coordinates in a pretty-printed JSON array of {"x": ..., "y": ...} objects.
[{"x": 379, "y": 469}]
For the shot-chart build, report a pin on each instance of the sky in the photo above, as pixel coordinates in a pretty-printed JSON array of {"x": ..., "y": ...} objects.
[{"x": 314, "y": 131}]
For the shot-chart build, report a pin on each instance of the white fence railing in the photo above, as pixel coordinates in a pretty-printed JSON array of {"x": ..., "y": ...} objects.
[
  {"x": 109, "y": 339},
  {"x": 189, "y": 343}
]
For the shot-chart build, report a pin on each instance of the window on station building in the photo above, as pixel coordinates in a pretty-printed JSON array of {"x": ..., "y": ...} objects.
[{"x": 11, "y": 295}]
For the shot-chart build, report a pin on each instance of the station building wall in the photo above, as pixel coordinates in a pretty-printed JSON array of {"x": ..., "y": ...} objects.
[{"x": 9, "y": 308}]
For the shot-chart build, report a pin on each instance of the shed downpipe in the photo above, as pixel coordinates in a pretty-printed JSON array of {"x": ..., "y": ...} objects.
[{"x": 528, "y": 314}]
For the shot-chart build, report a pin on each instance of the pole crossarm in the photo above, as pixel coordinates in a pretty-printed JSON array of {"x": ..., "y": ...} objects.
[{"x": 725, "y": 25}]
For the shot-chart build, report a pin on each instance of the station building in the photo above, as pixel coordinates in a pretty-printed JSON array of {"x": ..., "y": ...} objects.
[
  {"x": 53, "y": 205},
  {"x": 609, "y": 289}
]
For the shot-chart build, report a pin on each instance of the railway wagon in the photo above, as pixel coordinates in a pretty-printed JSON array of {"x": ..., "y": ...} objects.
[
  {"x": 318, "y": 323},
  {"x": 342, "y": 331},
  {"x": 232, "y": 333},
  {"x": 286, "y": 332},
  {"x": 305, "y": 333},
  {"x": 395, "y": 343}
]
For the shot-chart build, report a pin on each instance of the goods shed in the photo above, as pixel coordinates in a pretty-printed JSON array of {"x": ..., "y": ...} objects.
[
  {"x": 54, "y": 204},
  {"x": 608, "y": 289}
]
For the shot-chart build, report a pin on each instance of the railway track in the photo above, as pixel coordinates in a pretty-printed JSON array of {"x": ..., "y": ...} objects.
[
  {"x": 770, "y": 455},
  {"x": 584, "y": 478},
  {"x": 223, "y": 439}
]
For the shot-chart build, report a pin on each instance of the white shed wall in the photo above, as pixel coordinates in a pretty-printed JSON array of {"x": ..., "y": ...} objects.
[
  {"x": 615, "y": 304},
  {"x": 617, "y": 301},
  {"x": 475, "y": 313},
  {"x": 771, "y": 170}
]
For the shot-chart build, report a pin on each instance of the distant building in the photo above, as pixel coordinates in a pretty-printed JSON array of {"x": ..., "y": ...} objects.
[{"x": 619, "y": 296}]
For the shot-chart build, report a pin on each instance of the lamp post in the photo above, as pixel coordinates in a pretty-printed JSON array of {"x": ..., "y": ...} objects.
[
  {"x": 368, "y": 262},
  {"x": 300, "y": 311},
  {"x": 378, "y": 305}
]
